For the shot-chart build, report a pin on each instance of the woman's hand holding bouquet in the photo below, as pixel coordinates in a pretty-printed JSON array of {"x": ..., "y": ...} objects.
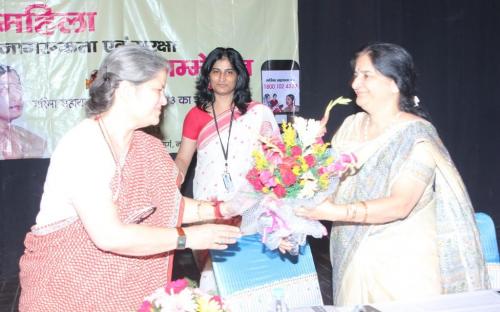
[{"x": 295, "y": 170}]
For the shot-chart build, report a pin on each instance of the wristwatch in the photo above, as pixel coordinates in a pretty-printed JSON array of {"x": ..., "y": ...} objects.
[{"x": 181, "y": 239}]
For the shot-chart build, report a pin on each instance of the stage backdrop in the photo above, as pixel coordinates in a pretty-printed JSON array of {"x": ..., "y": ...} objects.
[{"x": 48, "y": 49}]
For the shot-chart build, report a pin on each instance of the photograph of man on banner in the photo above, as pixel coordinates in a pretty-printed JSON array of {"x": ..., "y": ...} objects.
[{"x": 15, "y": 141}]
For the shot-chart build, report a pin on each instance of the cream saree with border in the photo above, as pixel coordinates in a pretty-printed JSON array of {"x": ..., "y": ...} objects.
[{"x": 435, "y": 250}]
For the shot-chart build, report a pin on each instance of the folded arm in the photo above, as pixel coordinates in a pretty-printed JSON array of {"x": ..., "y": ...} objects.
[{"x": 405, "y": 193}]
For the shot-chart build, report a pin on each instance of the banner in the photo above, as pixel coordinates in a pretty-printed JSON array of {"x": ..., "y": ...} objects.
[{"x": 48, "y": 50}]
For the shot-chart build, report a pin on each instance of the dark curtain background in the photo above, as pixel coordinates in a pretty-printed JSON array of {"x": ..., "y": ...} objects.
[
  {"x": 21, "y": 186},
  {"x": 454, "y": 44}
]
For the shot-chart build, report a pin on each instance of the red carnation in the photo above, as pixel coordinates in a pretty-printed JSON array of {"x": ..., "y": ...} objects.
[
  {"x": 253, "y": 177},
  {"x": 310, "y": 160},
  {"x": 296, "y": 151},
  {"x": 287, "y": 175},
  {"x": 289, "y": 161},
  {"x": 279, "y": 191},
  {"x": 281, "y": 146}
]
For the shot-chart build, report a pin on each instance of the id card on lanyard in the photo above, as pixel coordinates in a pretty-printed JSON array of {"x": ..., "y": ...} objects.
[
  {"x": 228, "y": 183},
  {"x": 226, "y": 176}
]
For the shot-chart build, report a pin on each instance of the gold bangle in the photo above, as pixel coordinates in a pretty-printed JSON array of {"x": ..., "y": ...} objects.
[
  {"x": 198, "y": 207},
  {"x": 365, "y": 206}
]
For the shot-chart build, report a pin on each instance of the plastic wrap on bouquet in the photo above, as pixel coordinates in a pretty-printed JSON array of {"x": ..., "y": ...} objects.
[
  {"x": 295, "y": 170},
  {"x": 275, "y": 219}
]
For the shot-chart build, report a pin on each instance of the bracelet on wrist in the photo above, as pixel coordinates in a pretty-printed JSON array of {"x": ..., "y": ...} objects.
[
  {"x": 217, "y": 213},
  {"x": 181, "y": 238}
]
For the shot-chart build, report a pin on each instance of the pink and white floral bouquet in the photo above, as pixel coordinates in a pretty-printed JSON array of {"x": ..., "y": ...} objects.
[
  {"x": 296, "y": 169},
  {"x": 182, "y": 296}
]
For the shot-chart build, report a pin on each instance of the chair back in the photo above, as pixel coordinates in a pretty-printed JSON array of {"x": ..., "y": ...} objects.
[
  {"x": 246, "y": 273},
  {"x": 488, "y": 237}
]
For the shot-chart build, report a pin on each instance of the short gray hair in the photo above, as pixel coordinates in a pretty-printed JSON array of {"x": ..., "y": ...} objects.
[{"x": 132, "y": 63}]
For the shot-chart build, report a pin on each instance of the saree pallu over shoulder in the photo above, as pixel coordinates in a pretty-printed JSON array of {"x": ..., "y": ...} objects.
[
  {"x": 63, "y": 269},
  {"x": 209, "y": 132},
  {"x": 461, "y": 263},
  {"x": 461, "y": 258},
  {"x": 246, "y": 130}
]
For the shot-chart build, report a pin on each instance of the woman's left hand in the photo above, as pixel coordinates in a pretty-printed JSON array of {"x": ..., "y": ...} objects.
[{"x": 324, "y": 211}]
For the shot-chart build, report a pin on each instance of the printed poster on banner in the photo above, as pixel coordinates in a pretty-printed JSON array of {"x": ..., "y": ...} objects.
[
  {"x": 49, "y": 49},
  {"x": 280, "y": 86}
]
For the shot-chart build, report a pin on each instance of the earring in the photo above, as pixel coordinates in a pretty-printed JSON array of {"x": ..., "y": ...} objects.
[
  {"x": 90, "y": 80},
  {"x": 210, "y": 87}
]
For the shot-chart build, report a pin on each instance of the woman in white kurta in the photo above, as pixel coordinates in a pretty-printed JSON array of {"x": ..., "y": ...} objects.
[{"x": 403, "y": 224}]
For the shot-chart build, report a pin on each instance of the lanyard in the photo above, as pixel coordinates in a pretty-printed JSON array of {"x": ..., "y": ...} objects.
[{"x": 225, "y": 151}]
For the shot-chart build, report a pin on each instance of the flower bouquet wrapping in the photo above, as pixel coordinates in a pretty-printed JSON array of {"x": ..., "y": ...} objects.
[
  {"x": 296, "y": 169},
  {"x": 182, "y": 295}
]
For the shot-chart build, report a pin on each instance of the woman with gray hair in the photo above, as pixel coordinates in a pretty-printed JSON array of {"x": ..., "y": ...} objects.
[{"x": 111, "y": 213}]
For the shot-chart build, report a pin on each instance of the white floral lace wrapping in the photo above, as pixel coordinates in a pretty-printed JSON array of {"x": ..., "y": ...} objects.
[{"x": 273, "y": 218}]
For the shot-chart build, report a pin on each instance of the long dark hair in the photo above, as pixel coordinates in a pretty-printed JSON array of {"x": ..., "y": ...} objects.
[
  {"x": 242, "y": 95},
  {"x": 395, "y": 62}
]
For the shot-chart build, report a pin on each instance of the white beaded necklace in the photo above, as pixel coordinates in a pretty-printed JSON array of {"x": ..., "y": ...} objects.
[{"x": 389, "y": 125}]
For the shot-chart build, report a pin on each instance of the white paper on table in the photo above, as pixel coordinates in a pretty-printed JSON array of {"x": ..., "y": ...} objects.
[
  {"x": 321, "y": 309},
  {"x": 477, "y": 301}
]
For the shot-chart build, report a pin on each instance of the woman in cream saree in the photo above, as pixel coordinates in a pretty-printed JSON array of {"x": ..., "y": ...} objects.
[
  {"x": 434, "y": 250},
  {"x": 403, "y": 223}
]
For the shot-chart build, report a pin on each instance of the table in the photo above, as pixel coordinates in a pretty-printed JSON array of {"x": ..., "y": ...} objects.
[{"x": 476, "y": 301}]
